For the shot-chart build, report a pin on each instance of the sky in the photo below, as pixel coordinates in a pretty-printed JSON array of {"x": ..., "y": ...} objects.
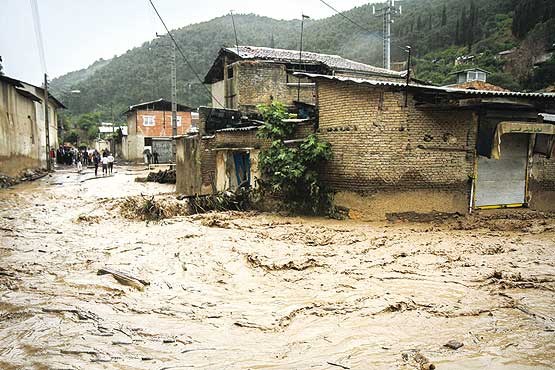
[{"x": 78, "y": 32}]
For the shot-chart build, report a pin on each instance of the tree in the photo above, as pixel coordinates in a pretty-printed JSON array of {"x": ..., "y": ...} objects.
[
  {"x": 472, "y": 25},
  {"x": 1, "y": 68},
  {"x": 71, "y": 137},
  {"x": 272, "y": 42},
  {"x": 444, "y": 16},
  {"x": 463, "y": 30}
]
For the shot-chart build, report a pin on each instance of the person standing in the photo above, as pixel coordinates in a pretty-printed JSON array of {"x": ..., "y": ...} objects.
[
  {"x": 155, "y": 157},
  {"x": 96, "y": 161},
  {"x": 110, "y": 163},
  {"x": 147, "y": 155},
  {"x": 105, "y": 164},
  {"x": 79, "y": 164}
]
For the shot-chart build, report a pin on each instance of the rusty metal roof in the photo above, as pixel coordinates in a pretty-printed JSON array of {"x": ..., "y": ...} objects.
[{"x": 439, "y": 89}]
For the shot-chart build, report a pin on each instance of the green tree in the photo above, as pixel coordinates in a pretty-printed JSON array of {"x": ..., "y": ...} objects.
[
  {"x": 71, "y": 137},
  {"x": 444, "y": 16}
]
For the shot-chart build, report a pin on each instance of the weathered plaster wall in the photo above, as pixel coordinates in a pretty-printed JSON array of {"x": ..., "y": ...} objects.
[
  {"x": 188, "y": 166},
  {"x": 22, "y": 131}
]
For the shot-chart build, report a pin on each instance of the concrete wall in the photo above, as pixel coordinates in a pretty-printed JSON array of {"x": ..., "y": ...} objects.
[
  {"x": 541, "y": 184},
  {"x": 22, "y": 130},
  {"x": 388, "y": 158},
  {"x": 218, "y": 94},
  {"x": 188, "y": 166}
]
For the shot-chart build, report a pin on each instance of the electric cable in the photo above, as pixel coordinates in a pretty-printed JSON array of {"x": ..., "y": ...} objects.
[
  {"x": 371, "y": 33},
  {"x": 183, "y": 55}
]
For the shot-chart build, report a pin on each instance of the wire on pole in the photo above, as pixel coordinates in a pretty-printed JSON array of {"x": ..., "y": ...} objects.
[
  {"x": 183, "y": 55},
  {"x": 371, "y": 33}
]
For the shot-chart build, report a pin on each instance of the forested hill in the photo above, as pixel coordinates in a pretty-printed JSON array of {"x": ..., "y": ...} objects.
[{"x": 439, "y": 31}]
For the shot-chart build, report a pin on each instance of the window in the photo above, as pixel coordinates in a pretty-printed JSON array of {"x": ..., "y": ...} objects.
[
  {"x": 148, "y": 121},
  {"x": 476, "y": 76},
  {"x": 178, "y": 121}
]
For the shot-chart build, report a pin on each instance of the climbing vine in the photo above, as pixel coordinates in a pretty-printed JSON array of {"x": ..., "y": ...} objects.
[{"x": 291, "y": 171}]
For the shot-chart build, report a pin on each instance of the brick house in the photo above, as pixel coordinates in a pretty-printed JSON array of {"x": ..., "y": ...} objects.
[
  {"x": 243, "y": 77},
  {"x": 149, "y": 126},
  {"x": 435, "y": 150}
]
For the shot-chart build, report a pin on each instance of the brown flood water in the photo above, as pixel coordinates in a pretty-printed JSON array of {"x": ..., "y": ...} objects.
[{"x": 259, "y": 291}]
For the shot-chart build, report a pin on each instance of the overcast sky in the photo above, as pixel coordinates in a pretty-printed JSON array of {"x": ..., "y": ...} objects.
[{"x": 78, "y": 32}]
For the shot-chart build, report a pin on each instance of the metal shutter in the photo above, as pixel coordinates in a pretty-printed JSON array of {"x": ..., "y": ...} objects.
[{"x": 503, "y": 182}]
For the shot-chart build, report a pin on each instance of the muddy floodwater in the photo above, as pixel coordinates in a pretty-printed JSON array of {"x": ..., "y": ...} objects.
[{"x": 258, "y": 291}]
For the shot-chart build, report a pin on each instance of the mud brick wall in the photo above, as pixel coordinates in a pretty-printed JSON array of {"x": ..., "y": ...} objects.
[
  {"x": 378, "y": 144},
  {"x": 258, "y": 82}
]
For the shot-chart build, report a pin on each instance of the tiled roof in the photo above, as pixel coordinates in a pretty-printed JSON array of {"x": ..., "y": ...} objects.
[{"x": 335, "y": 62}]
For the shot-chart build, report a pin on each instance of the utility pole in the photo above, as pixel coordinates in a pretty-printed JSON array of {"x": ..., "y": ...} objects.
[
  {"x": 303, "y": 17},
  {"x": 174, "y": 96},
  {"x": 174, "y": 104},
  {"x": 47, "y": 123},
  {"x": 387, "y": 12}
]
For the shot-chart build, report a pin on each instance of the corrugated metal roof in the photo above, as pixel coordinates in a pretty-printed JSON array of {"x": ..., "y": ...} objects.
[
  {"x": 547, "y": 117},
  {"x": 334, "y": 62},
  {"x": 160, "y": 104},
  {"x": 444, "y": 89},
  {"x": 232, "y": 129}
]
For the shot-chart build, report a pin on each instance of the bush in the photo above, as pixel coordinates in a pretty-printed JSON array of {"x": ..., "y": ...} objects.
[{"x": 291, "y": 173}]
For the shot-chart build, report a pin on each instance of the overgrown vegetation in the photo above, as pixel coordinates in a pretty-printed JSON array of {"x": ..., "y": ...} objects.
[{"x": 290, "y": 172}]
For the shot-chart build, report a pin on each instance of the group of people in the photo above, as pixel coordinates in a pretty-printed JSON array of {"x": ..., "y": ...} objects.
[
  {"x": 67, "y": 155},
  {"x": 150, "y": 158},
  {"x": 84, "y": 156},
  {"x": 106, "y": 160}
]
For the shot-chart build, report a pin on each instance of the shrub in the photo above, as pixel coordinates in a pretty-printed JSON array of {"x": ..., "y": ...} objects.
[{"x": 291, "y": 172}]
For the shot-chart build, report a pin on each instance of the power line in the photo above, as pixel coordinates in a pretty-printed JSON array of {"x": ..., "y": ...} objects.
[
  {"x": 183, "y": 55},
  {"x": 371, "y": 33},
  {"x": 235, "y": 31},
  {"x": 38, "y": 34}
]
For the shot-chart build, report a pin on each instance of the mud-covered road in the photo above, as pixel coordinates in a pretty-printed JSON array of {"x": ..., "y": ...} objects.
[{"x": 253, "y": 291}]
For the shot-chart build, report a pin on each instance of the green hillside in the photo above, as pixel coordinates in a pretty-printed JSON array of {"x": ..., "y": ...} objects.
[{"x": 439, "y": 31}]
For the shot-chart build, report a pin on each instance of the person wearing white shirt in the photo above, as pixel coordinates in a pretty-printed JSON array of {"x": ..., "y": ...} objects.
[
  {"x": 110, "y": 163},
  {"x": 104, "y": 165}
]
